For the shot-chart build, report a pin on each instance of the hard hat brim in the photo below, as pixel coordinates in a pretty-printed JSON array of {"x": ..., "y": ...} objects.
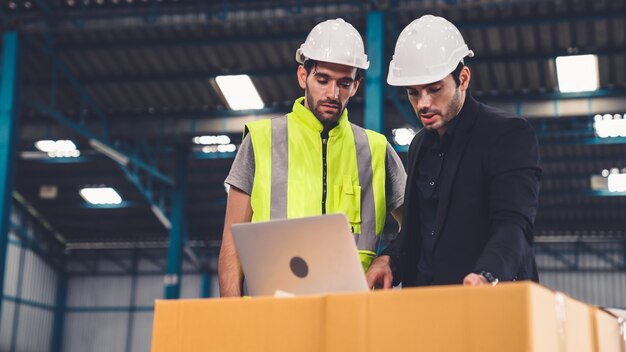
[{"x": 395, "y": 81}]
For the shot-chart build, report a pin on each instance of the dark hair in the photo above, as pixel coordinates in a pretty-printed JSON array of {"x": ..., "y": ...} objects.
[
  {"x": 456, "y": 74},
  {"x": 310, "y": 64}
]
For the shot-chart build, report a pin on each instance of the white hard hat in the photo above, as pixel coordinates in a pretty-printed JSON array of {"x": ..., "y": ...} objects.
[
  {"x": 428, "y": 49},
  {"x": 334, "y": 41}
]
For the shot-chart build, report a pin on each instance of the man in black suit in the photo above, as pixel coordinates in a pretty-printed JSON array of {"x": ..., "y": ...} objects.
[{"x": 473, "y": 174}]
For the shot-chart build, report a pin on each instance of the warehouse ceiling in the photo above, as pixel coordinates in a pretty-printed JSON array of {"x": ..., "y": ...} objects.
[{"x": 139, "y": 77}]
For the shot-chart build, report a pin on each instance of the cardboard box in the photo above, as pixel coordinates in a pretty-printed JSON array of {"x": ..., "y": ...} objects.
[
  {"x": 509, "y": 317},
  {"x": 237, "y": 324},
  {"x": 608, "y": 333}
]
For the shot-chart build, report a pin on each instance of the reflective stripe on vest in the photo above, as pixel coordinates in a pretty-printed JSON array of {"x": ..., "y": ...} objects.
[
  {"x": 292, "y": 169},
  {"x": 367, "y": 240}
]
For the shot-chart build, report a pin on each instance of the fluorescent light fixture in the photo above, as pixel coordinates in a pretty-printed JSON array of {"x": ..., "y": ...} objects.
[
  {"x": 403, "y": 136},
  {"x": 210, "y": 140},
  {"x": 46, "y": 146},
  {"x": 100, "y": 195},
  {"x": 63, "y": 148},
  {"x": 608, "y": 125},
  {"x": 599, "y": 183},
  {"x": 226, "y": 148},
  {"x": 577, "y": 73},
  {"x": 108, "y": 151},
  {"x": 617, "y": 183},
  {"x": 48, "y": 191},
  {"x": 220, "y": 148},
  {"x": 239, "y": 92}
]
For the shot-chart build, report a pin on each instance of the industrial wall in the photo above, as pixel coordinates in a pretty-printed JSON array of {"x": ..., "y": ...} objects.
[
  {"x": 605, "y": 289},
  {"x": 28, "y": 302},
  {"x": 592, "y": 272},
  {"x": 114, "y": 313}
]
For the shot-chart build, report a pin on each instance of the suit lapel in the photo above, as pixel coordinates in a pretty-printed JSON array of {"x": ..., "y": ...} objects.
[{"x": 453, "y": 159}]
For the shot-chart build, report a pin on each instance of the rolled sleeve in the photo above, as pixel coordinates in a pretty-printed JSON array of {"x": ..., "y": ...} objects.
[
  {"x": 395, "y": 181},
  {"x": 241, "y": 173}
]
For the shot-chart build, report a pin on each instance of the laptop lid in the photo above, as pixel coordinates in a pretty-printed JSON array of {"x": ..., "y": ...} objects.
[{"x": 311, "y": 255}]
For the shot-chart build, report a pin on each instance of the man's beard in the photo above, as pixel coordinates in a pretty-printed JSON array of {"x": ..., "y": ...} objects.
[
  {"x": 314, "y": 106},
  {"x": 452, "y": 109}
]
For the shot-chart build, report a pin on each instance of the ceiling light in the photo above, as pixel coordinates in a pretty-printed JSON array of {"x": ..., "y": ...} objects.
[
  {"x": 403, "y": 136},
  {"x": 46, "y": 146},
  {"x": 100, "y": 195},
  {"x": 48, "y": 191},
  {"x": 63, "y": 148},
  {"x": 617, "y": 183},
  {"x": 608, "y": 125},
  {"x": 577, "y": 73},
  {"x": 208, "y": 140},
  {"x": 239, "y": 92},
  {"x": 226, "y": 148},
  {"x": 221, "y": 148}
]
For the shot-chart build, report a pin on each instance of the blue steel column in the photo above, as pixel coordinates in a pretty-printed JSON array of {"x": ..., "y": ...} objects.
[
  {"x": 206, "y": 283},
  {"x": 9, "y": 113},
  {"x": 133, "y": 302},
  {"x": 56, "y": 344},
  {"x": 373, "y": 119},
  {"x": 177, "y": 231}
]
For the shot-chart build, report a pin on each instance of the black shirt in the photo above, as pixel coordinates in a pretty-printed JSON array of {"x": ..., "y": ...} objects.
[{"x": 430, "y": 167}]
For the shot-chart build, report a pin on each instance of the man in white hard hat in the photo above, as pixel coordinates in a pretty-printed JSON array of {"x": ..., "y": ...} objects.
[
  {"x": 313, "y": 161},
  {"x": 473, "y": 184}
]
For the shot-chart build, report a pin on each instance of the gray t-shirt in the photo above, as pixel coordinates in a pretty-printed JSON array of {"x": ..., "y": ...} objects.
[{"x": 242, "y": 173}]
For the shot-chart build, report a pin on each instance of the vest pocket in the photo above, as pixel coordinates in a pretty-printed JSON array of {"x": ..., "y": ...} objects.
[{"x": 347, "y": 199}]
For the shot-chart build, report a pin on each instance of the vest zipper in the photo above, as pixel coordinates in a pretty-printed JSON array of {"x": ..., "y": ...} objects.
[{"x": 324, "y": 149}]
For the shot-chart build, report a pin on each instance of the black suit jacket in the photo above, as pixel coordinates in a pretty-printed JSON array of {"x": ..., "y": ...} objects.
[{"x": 487, "y": 206}]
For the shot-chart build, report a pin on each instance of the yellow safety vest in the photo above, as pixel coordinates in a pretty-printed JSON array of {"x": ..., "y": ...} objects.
[{"x": 289, "y": 173}]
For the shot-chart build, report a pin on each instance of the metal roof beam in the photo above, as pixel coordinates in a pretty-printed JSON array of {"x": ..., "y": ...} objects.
[
  {"x": 537, "y": 20},
  {"x": 575, "y": 239},
  {"x": 187, "y": 42},
  {"x": 579, "y": 192},
  {"x": 45, "y": 6},
  {"x": 84, "y": 205},
  {"x": 521, "y": 96},
  {"x": 173, "y": 15},
  {"x": 218, "y": 14},
  {"x": 169, "y": 77},
  {"x": 284, "y": 71},
  {"x": 96, "y": 142},
  {"x": 523, "y": 57},
  {"x": 99, "y": 142}
]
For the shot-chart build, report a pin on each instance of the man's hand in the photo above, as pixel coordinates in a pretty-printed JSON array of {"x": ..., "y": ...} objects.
[
  {"x": 379, "y": 273},
  {"x": 475, "y": 280}
]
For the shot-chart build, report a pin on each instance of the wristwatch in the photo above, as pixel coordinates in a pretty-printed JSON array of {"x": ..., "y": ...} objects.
[{"x": 489, "y": 277}]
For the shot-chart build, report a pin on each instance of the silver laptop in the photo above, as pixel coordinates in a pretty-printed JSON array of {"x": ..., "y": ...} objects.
[{"x": 301, "y": 256}]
